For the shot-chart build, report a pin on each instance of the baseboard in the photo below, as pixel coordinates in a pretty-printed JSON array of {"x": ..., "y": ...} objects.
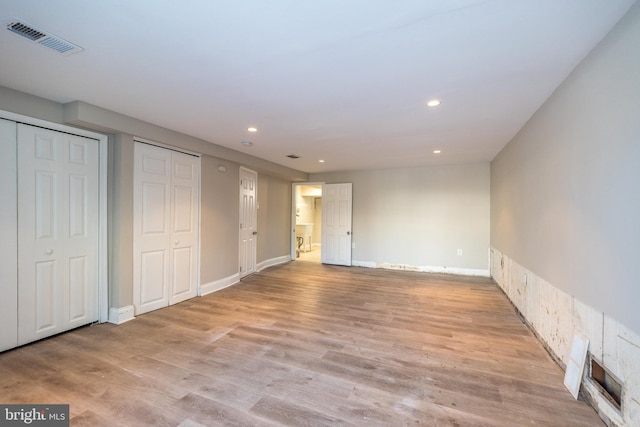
[
  {"x": 273, "y": 261},
  {"x": 424, "y": 269},
  {"x": 217, "y": 285},
  {"x": 120, "y": 315}
]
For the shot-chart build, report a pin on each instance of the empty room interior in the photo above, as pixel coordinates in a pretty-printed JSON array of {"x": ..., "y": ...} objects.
[{"x": 321, "y": 213}]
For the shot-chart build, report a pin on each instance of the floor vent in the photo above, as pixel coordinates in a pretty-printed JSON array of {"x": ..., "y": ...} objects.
[
  {"x": 610, "y": 387},
  {"x": 43, "y": 38}
]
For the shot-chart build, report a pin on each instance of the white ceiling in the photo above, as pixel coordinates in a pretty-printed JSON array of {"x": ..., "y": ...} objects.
[{"x": 341, "y": 80}]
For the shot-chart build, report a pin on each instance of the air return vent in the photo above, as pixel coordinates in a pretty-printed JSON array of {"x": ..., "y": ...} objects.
[{"x": 36, "y": 35}]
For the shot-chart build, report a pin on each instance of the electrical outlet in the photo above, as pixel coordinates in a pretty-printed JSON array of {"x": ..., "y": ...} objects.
[{"x": 459, "y": 252}]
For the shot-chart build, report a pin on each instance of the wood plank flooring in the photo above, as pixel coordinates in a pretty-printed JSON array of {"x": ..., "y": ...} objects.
[{"x": 304, "y": 344}]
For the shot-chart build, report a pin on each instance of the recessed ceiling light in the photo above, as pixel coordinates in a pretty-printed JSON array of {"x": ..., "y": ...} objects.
[
  {"x": 437, "y": 151},
  {"x": 252, "y": 129},
  {"x": 433, "y": 103},
  {"x": 247, "y": 143},
  {"x": 321, "y": 161}
]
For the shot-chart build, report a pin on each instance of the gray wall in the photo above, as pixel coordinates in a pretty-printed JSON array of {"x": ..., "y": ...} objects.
[
  {"x": 566, "y": 190},
  {"x": 219, "y": 224},
  {"x": 420, "y": 216}
]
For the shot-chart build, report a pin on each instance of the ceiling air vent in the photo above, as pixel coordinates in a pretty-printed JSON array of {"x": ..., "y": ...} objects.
[
  {"x": 43, "y": 38},
  {"x": 293, "y": 156}
]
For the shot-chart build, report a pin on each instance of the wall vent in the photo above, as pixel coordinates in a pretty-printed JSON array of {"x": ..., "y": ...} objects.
[
  {"x": 609, "y": 386},
  {"x": 36, "y": 35}
]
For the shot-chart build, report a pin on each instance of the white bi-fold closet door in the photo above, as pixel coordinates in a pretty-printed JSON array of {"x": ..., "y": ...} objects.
[
  {"x": 166, "y": 226},
  {"x": 57, "y": 232},
  {"x": 54, "y": 285}
]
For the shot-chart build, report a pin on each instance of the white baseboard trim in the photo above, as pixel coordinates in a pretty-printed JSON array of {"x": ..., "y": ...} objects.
[
  {"x": 120, "y": 315},
  {"x": 273, "y": 261},
  {"x": 217, "y": 285},
  {"x": 424, "y": 269}
]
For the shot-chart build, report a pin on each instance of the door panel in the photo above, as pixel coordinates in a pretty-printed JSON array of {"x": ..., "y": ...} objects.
[
  {"x": 45, "y": 296},
  {"x": 154, "y": 208},
  {"x": 185, "y": 186},
  {"x": 153, "y": 277},
  {"x": 336, "y": 223},
  {"x": 77, "y": 206},
  {"x": 248, "y": 219},
  {"x": 152, "y": 212},
  {"x": 78, "y": 282},
  {"x": 182, "y": 277},
  {"x": 46, "y": 207},
  {"x": 58, "y": 232}
]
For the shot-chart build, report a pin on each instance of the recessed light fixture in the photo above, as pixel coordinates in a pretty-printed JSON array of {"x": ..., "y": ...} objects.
[
  {"x": 320, "y": 161},
  {"x": 433, "y": 103},
  {"x": 437, "y": 151},
  {"x": 247, "y": 143},
  {"x": 252, "y": 129}
]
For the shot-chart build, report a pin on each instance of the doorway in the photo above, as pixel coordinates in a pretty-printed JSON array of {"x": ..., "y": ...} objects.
[{"x": 307, "y": 220}]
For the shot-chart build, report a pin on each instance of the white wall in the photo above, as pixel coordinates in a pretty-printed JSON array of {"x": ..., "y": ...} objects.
[
  {"x": 565, "y": 210},
  {"x": 420, "y": 217}
]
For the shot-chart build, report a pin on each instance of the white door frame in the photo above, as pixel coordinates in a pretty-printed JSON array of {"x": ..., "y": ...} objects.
[
  {"x": 294, "y": 190},
  {"x": 103, "y": 141}
]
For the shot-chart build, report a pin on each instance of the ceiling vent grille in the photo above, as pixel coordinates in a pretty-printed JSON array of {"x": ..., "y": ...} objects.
[{"x": 43, "y": 38}]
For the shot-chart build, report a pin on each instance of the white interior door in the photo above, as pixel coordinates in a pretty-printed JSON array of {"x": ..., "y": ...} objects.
[
  {"x": 336, "y": 223},
  {"x": 151, "y": 218},
  {"x": 185, "y": 191},
  {"x": 166, "y": 211},
  {"x": 58, "y": 178},
  {"x": 248, "y": 220}
]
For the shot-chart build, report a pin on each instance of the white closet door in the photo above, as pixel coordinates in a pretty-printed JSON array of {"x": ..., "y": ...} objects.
[
  {"x": 185, "y": 192},
  {"x": 57, "y": 232},
  {"x": 9, "y": 242},
  {"x": 151, "y": 204},
  {"x": 166, "y": 216}
]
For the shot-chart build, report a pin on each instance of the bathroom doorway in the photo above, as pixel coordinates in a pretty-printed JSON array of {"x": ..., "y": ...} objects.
[{"x": 307, "y": 220}]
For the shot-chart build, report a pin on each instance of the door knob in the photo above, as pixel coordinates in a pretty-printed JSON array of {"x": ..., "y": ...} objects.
[
  {"x": 48, "y": 251},
  {"x": 177, "y": 242},
  {"x": 348, "y": 233},
  {"x": 254, "y": 233}
]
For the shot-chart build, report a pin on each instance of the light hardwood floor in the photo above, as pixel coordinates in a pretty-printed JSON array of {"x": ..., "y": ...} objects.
[{"x": 307, "y": 344}]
